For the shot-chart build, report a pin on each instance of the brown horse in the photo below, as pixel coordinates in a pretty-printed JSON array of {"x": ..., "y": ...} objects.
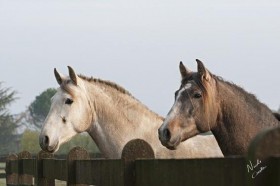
[{"x": 206, "y": 102}]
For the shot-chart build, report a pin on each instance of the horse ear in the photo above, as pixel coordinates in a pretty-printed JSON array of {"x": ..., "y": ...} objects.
[
  {"x": 57, "y": 77},
  {"x": 202, "y": 71},
  {"x": 73, "y": 75},
  {"x": 185, "y": 72}
]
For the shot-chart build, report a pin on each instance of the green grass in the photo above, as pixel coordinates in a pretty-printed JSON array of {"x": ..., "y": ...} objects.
[
  {"x": 57, "y": 182},
  {"x": 2, "y": 182},
  {"x": 2, "y": 167},
  {"x": 60, "y": 183}
]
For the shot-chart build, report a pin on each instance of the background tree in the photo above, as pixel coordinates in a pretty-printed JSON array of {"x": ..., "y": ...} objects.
[
  {"x": 8, "y": 124},
  {"x": 39, "y": 108},
  {"x": 30, "y": 141},
  {"x": 81, "y": 140}
]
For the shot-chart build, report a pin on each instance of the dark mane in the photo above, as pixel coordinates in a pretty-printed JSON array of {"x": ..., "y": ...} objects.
[
  {"x": 108, "y": 83},
  {"x": 249, "y": 97},
  {"x": 277, "y": 115}
]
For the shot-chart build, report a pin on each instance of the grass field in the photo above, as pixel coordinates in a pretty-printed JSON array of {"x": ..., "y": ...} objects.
[
  {"x": 60, "y": 183},
  {"x": 57, "y": 182},
  {"x": 2, "y": 167}
]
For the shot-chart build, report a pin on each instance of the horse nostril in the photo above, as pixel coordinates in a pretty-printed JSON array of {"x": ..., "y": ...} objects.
[
  {"x": 166, "y": 134},
  {"x": 46, "y": 141}
]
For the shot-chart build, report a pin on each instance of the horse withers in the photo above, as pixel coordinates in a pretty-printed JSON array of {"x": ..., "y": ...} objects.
[{"x": 206, "y": 102}]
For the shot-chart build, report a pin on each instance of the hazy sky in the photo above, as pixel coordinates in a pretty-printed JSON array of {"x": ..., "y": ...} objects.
[{"x": 138, "y": 44}]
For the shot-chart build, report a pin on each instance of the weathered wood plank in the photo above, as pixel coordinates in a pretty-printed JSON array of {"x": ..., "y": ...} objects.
[
  {"x": 264, "y": 146},
  {"x": 77, "y": 153},
  {"x": 29, "y": 166},
  {"x": 12, "y": 170},
  {"x": 40, "y": 179},
  {"x": 189, "y": 172},
  {"x": 24, "y": 178},
  {"x": 55, "y": 169},
  {"x": 100, "y": 172},
  {"x": 12, "y": 166},
  {"x": 133, "y": 150}
]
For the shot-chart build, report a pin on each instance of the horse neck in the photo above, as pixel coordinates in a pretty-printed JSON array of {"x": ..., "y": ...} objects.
[
  {"x": 241, "y": 116},
  {"x": 119, "y": 119}
]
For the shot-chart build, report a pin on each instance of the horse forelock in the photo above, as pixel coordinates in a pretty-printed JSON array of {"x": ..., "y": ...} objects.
[
  {"x": 66, "y": 86},
  {"x": 202, "y": 86}
]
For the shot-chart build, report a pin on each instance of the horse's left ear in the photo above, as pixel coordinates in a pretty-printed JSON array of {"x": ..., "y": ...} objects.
[
  {"x": 202, "y": 71},
  {"x": 73, "y": 75},
  {"x": 185, "y": 72},
  {"x": 58, "y": 77}
]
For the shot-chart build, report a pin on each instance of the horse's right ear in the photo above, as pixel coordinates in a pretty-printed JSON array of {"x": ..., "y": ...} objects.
[
  {"x": 57, "y": 77},
  {"x": 202, "y": 71},
  {"x": 185, "y": 72}
]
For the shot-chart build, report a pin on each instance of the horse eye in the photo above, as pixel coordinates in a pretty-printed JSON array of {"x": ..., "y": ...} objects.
[
  {"x": 197, "y": 95},
  {"x": 68, "y": 101}
]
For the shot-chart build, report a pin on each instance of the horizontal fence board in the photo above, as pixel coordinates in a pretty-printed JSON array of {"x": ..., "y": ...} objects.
[
  {"x": 189, "y": 172},
  {"x": 77, "y": 169},
  {"x": 271, "y": 175},
  {"x": 100, "y": 172},
  {"x": 55, "y": 169},
  {"x": 275, "y": 176},
  {"x": 29, "y": 166},
  {"x": 12, "y": 166}
]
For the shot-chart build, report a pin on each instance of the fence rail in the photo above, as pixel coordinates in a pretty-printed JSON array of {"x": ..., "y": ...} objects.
[{"x": 137, "y": 167}]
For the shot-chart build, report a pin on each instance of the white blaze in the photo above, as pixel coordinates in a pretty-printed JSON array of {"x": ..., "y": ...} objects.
[{"x": 176, "y": 106}]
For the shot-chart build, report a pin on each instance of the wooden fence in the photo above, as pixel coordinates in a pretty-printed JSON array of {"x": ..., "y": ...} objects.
[{"x": 137, "y": 167}]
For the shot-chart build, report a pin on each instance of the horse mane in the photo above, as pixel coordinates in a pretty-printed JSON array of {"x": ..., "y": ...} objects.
[
  {"x": 249, "y": 97},
  {"x": 277, "y": 115},
  {"x": 108, "y": 83},
  {"x": 118, "y": 88}
]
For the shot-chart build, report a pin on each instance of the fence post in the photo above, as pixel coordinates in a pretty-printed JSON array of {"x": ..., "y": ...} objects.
[
  {"x": 135, "y": 149},
  {"x": 11, "y": 178},
  {"x": 77, "y": 153},
  {"x": 24, "y": 179},
  {"x": 261, "y": 168},
  {"x": 39, "y": 179}
]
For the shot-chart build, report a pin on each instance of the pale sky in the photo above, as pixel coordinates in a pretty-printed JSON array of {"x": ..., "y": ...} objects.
[{"x": 139, "y": 44}]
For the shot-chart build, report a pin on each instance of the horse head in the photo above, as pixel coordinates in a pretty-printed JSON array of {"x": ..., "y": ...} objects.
[
  {"x": 195, "y": 107},
  {"x": 70, "y": 112}
]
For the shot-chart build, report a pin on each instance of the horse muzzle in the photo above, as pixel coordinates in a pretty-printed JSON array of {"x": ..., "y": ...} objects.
[
  {"x": 166, "y": 140},
  {"x": 46, "y": 145}
]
